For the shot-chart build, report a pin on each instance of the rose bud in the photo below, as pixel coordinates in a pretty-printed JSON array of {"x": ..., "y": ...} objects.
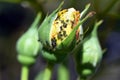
[
  {"x": 61, "y": 31},
  {"x": 90, "y": 55},
  {"x": 28, "y": 45}
]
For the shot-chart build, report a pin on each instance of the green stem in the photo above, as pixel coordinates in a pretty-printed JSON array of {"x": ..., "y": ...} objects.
[
  {"x": 63, "y": 73},
  {"x": 48, "y": 72},
  {"x": 25, "y": 73},
  {"x": 45, "y": 74}
]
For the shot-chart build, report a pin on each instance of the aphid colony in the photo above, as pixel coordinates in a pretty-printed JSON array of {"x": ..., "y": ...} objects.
[{"x": 62, "y": 26}]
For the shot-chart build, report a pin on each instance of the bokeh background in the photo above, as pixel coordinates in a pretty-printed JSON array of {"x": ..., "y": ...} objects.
[{"x": 16, "y": 17}]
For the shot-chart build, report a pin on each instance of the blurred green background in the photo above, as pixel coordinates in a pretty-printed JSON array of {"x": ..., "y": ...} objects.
[{"x": 17, "y": 15}]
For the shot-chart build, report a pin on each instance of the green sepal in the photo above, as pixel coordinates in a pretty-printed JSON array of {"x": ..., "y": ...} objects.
[
  {"x": 83, "y": 13},
  {"x": 53, "y": 57},
  {"x": 45, "y": 28},
  {"x": 48, "y": 55},
  {"x": 26, "y": 60}
]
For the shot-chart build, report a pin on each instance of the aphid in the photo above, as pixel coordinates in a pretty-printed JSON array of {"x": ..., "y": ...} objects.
[
  {"x": 64, "y": 34},
  {"x": 53, "y": 42},
  {"x": 62, "y": 21},
  {"x": 61, "y": 28},
  {"x": 59, "y": 35},
  {"x": 56, "y": 22},
  {"x": 62, "y": 12},
  {"x": 67, "y": 20},
  {"x": 64, "y": 25},
  {"x": 72, "y": 22}
]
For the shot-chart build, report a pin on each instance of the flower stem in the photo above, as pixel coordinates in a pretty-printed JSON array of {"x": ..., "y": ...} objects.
[
  {"x": 48, "y": 72},
  {"x": 25, "y": 72},
  {"x": 45, "y": 74},
  {"x": 63, "y": 73}
]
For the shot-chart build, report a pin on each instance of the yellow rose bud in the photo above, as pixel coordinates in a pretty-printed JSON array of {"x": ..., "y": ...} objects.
[{"x": 63, "y": 24}]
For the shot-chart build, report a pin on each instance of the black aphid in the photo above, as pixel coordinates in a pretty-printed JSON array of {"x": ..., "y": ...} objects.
[
  {"x": 64, "y": 34},
  {"x": 61, "y": 28},
  {"x": 62, "y": 21},
  {"x": 67, "y": 20},
  {"x": 59, "y": 35},
  {"x": 72, "y": 24},
  {"x": 64, "y": 25},
  {"x": 53, "y": 42}
]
